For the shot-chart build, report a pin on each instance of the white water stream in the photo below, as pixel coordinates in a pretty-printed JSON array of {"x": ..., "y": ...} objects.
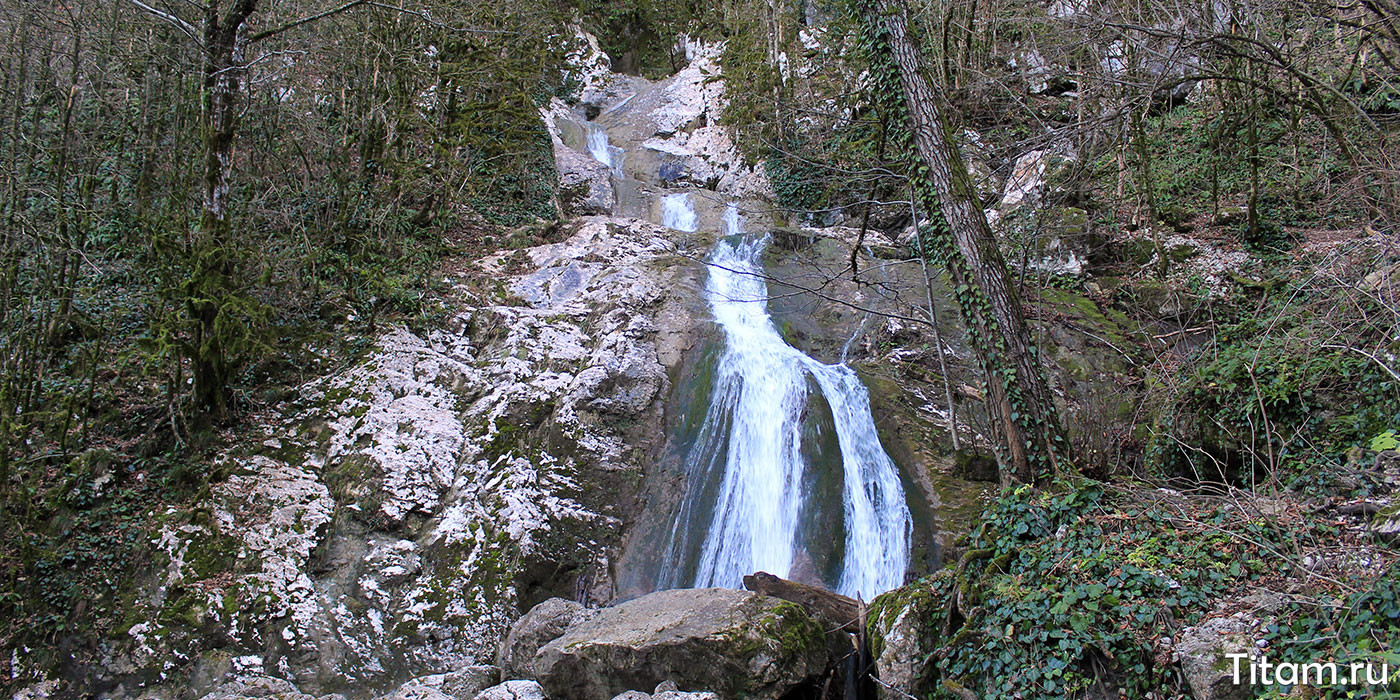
[
  {"x": 761, "y": 397},
  {"x": 678, "y": 212},
  {"x": 751, "y": 480},
  {"x": 603, "y": 151}
]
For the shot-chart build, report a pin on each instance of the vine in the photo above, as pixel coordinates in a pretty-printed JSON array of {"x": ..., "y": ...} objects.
[{"x": 937, "y": 243}]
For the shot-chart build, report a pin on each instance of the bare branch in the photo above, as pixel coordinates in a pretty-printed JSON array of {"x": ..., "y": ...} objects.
[
  {"x": 180, "y": 24},
  {"x": 305, "y": 20}
]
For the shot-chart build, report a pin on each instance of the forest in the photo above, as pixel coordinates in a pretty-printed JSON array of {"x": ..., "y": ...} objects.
[{"x": 352, "y": 343}]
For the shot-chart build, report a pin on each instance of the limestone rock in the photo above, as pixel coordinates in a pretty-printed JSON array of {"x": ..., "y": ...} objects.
[
  {"x": 667, "y": 691},
  {"x": 462, "y": 684},
  {"x": 599, "y": 86},
  {"x": 901, "y": 650},
  {"x": 735, "y": 643},
  {"x": 1035, "y": 174},
  {"x": 514, "y": 690},
  {"x": 1202, "y": 651},
  {"x": 544, "y": 623},
  {"x": 1386, "y": 524},
  {"x": 249, "y": 687},
  {"x": 585, "y": 184}
]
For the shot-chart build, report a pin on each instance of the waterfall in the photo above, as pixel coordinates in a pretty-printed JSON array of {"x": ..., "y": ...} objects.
[
  {"x": 678, "y": 212},
  {"x": 731, "y": 220},
  {"x": 602, "y": 151},
  {"x": 748, "y": 458}
]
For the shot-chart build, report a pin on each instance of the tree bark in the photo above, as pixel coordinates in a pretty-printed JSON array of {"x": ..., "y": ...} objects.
[
  {"x": 212, "y": 265},
  {"x": 1020, "y": 403}
]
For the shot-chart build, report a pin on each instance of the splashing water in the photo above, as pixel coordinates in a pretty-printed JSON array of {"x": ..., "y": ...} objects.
[
  {"x": 748, "y": 456},
  {"x": 602, "y": 151},
  {"x": 732, "y": 227},
  {"x": 678, "y": 212}
]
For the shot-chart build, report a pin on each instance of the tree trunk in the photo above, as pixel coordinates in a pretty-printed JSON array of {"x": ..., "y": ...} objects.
[
  {"x": 1019, "y": 401},
  {"x": 212, "y": 265}
]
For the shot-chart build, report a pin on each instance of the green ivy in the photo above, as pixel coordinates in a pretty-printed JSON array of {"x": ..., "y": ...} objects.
[{"x": 1058, "y": 590}]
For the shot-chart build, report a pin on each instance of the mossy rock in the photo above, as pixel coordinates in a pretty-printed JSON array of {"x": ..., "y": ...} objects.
[
  {"x": 1182, "y": 252},
  {"x": 1139, "y": 251},
  {"x": 736, "y": 643},
  {"x": 975, "y": 466}
]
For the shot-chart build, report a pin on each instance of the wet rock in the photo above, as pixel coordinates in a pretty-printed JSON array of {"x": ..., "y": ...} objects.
[
  {"x": 735, "y": 643},
  {"x": 1202, "y": 651},
  {"x": 543, "y": 624},
  {"x": 514, "y": 690}
]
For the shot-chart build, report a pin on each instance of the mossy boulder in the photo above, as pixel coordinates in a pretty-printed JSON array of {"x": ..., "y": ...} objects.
[{"x": 736, "y": 643}]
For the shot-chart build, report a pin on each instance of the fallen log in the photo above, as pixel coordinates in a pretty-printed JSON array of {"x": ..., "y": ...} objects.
[{"x": 832, "y": 611}]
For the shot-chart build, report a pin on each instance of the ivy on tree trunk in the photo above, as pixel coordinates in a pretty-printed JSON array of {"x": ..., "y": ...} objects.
[{"x": 1019, "y": 402}]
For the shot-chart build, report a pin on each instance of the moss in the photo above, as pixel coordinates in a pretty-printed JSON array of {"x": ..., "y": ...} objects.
[
  {"x": 1182, "y": 252},
  {"x": 186, "y": 610},
  {"x": 1139, "y": 251},
  {"x": 1112, "y": 324},
  {"x": 212, "y": 554},
  {"x": 795, "y": 633}
]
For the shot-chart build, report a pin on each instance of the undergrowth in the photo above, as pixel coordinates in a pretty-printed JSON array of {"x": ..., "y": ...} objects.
[{"x": 1070, "y": 592}]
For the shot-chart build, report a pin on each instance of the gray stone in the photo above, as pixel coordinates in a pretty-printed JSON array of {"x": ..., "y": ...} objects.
[
  {"x": 543, "y": 624},
  {"x": 462, "y": 684},
  {"x": 666, "y": 690},
  {"x": 1386, "y": 524},
  {"x": 585, "y": 184},
  {"x": 734, "y": 643},
  {"x": 1202, "y": 651},
  {"x": 901, "y": 652},
  {"x": 249, "y": 687},
  {"x": 514, "y": 690}
]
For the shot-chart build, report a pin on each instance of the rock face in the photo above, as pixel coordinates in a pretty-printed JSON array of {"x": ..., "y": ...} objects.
[
  {"x": 673, "y": 136},
  {"x": 394, "y": 521},
  {"x": 544, "y": 623},
  {"x": 735, "y": 643}
]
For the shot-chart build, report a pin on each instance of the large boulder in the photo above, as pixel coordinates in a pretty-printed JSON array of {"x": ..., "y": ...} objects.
[
  {"x": 900, "y": 640},
  {"x": 585, "y": 183},
  {"x": 1202, "y": 653},
  {"x": 544, "y": 623},
  {"x": 735, "y": 643}
]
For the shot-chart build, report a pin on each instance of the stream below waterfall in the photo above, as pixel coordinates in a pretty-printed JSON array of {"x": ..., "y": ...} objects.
[{"x": 786, "y": 473}]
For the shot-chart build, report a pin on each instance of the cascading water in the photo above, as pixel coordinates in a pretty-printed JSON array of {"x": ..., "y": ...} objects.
[
  {"x": 731, "y": 220},
  {"x": 785, "y": 473},
  {"x": 603, "y": 151},
  {"x": 748, "y": 459},
  {"x": 678, "y": 212}
]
